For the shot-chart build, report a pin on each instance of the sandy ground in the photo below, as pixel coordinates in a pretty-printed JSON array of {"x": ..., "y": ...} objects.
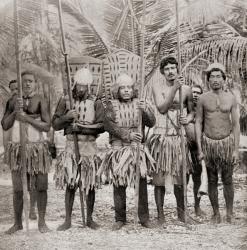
[{"x": 199, "y": 233}]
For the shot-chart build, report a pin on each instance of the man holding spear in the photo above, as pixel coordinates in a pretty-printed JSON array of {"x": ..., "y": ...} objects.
[
  {"x": 36, "y": 120},
  {"x": 121, "y": 121},
  {"x": 165, "y": 143},
  {"x": 85, "y": 120}
]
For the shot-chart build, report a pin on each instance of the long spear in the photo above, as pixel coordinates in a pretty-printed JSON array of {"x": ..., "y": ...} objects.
[
  {"x": 142, "y": 73},
  {"x": 22, "y": 126},
  {"x": 75, "y": 138},
  {"x": 184, "y": 164}
]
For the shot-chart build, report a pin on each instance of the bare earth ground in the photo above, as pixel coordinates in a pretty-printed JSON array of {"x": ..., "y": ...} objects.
[{"x": 198, "y": 234}]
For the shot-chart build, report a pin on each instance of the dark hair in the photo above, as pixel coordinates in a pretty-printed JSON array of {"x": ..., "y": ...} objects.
[
  {"x": 215, "y": 69},
  {"x": 28, "y": 72},
  {"x": 12, "y": 81},
  {"x": 198, "y": 86},
  {"x": 165, "y": 61}
]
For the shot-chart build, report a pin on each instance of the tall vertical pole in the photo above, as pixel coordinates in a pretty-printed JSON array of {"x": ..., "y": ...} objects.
[
  {"x": 22, "y": 128},
  {"x": 75, "y": 138},
  {"x": 142, "y": 73},
  {"x": 184, "y": 163}
]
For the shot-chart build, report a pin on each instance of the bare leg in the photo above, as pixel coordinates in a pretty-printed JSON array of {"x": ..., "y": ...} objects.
[
  {"x": 41, "y": 203},
  {"x": 228, "y": 193},
  {"x": 18, "y": 208},
  {"x": 90, "y": 205},
  {"x": 33, "y": 200},
  {"x": 159, "y": 195},
  {"x": 213, "y": 194},
  {"x": 69, "y": 201},
  {"x": 179, "y": 194}
]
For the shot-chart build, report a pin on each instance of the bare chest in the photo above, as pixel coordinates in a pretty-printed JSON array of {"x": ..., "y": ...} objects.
[
  {"x": 216, "y": 103},
  {"x": 32, "y": 106}
]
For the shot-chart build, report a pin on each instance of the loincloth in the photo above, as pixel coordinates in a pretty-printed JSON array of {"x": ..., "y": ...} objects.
[
  {"x": 37, "y": 157},
  {"x": 120, "y": 164},
  {"x": 67, "y": 166},
  {"x": 218, "y": 153}
]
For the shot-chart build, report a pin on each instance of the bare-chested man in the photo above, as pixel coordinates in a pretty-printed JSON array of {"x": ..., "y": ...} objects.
[
  {"x": 13, "y": 86},
  {"x": 217, "y": 133},
  {"x": 165, "y": 143},
  {"x": 36, "y": 120}
]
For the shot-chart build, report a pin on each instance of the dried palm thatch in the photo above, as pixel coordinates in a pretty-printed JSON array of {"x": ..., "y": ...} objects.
[{"x": 231, "y": 52}]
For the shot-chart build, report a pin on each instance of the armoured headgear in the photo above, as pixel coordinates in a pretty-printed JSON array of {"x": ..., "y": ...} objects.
[{"x": 83, "y": 76}]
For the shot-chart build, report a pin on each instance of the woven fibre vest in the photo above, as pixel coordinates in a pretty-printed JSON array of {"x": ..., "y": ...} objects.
[
  {"x": 168, "y": 124},
  {"x": 86, "y": 111},
  {"x": 126, "y": 113}
]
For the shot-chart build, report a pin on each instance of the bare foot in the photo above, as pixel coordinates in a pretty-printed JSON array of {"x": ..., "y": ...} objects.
[
  {"x": 229, "y": 218},
  {"x": 216, "y": 219},
  {"x": 43, "y": 228},
  {"x": 147, "y": 224},
  {"x": 117, "y": 225},
  {"x": 32, "y": 215},
  {"x": 199, "y": 212},
  {"x": 65, "y": 226},
  {"x": 14, "y": 228},
  {"x": 92, "y": 224}
]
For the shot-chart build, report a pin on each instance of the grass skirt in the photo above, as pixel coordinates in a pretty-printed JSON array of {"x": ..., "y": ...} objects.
[
  {"x": 67, "y": 167},
  {"x": 167, "y": 152},
  {"x": 120, "y": 164},
  {"x": 37, "y": 157},
  {"x": 218, "y": 153}
]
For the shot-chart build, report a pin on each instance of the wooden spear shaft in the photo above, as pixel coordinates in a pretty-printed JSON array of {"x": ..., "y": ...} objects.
[
  {"x": 142, "y": 73},
  {"x": 22, "y": 126},
  {"x": 184, "y": 163},
  {"x": 75, "y": 139}
]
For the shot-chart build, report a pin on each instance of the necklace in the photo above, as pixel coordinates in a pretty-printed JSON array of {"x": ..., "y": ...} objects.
[{"x": 217, "y": 103}]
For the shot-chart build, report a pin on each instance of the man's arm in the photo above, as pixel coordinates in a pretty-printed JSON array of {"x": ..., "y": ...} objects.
[
  {"x": 148, "y": 117},
  {"x": 190, "y": 106},
  {"x": 112, "y": 127},
  {"x": 235, "y": 126},
  {"x": 198, "y": 127},
  {"x": 60, "y": 120},
  {"x": 9, "y": 115}
]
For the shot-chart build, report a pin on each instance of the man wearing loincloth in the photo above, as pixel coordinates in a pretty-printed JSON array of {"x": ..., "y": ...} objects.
[
  {"x": 36, "y": 120},
  {"x": 217, "y": 133},
  {"x": 86, "y": 120},
  {"x": 121, "y": 121},
  {"x": 165, "y": 143}
]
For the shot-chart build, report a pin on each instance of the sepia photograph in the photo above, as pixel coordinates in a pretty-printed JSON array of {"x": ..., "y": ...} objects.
[{"x": 123, "y": 124}]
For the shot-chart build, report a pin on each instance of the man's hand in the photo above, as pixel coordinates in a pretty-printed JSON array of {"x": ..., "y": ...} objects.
[
  {"x": 183, "y": 120},
  {"x": 200, "y": 155},
  {"x": 142, "y": 105},
  {"x": 19, "y": 104},
  {"x": 136, "y": 137},
  {"x": 71, "y": 115},
  {"x": 179, "y": 81},
  {"x": 22, "y": 117},
  {"x": 235, "y": 157}
]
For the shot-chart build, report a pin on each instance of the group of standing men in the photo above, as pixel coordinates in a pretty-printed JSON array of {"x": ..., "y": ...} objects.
[{"x": 211, "y": 123}]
